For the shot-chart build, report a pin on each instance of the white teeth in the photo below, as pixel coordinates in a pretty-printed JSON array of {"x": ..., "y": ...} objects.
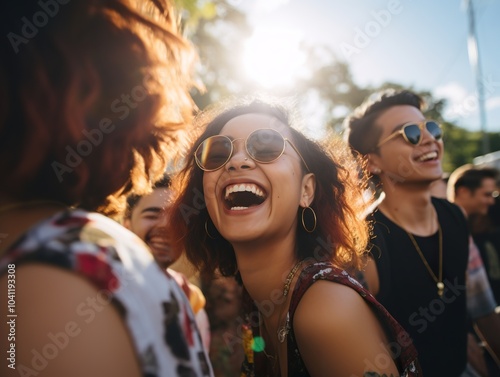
[
  {"x": 238, "y": 208},
  {"x": 249, "y": 187},
  {"x": 428, "y": 156},
  {"x": 158, "y": 240}
]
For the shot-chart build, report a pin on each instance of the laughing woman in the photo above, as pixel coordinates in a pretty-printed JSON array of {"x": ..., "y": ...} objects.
[{"x": 283, "y": 213}]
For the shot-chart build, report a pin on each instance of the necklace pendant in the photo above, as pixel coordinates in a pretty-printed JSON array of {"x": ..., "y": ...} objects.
[
  {"x": 440, "y": 287},
  {"x": 282, "y": 334}
]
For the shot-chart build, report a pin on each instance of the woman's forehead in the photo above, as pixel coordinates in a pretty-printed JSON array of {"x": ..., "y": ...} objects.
[{"x": 243, "y": 125}]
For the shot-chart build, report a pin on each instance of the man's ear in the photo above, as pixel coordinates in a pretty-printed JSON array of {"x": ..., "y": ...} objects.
[
  {"x": 127, "y": 223},
  {"x": 308, "y": 189},
  {"x": 373, "y": 164},
  {"x": 463, "y": 192}
]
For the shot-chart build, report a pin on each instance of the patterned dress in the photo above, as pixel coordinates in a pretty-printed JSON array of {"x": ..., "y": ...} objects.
[
  {"x": 117, "y": 263},
  {"x": 405, "y": 359}
]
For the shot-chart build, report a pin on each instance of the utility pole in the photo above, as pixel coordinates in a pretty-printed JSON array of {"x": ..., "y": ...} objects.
[{"x": 476, "y": 66}]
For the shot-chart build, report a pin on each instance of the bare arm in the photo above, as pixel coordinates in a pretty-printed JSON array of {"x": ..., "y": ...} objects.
[
  {"x": 338, "y": 334},
  {"x": 65, "y": 327},
  {"x": 371, "y": 277}
]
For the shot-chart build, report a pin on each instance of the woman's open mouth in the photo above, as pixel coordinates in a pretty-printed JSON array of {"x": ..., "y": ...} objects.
[{"x": 241, "y": 196}]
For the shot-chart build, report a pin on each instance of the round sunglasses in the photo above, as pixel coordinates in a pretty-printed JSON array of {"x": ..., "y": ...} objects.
[
  {"x": 264, "y": 145},
  {"x": 412, "y": 132}
]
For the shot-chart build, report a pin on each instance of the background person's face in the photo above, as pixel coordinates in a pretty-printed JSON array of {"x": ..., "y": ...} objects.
[
  {"x": 148, "y": 221},
  {"x": 481, "y": 199}
]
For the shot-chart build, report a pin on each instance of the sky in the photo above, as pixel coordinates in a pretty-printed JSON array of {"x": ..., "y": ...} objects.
[{"x": 417, "y": 43}]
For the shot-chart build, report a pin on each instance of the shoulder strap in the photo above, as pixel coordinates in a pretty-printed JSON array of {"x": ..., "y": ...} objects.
[{"x": 407, "y": 358}]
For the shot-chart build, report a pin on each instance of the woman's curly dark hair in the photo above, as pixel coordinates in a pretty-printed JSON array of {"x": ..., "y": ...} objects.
[
  {"x": 341, "y": 234},
  {"x": 93, "y": 104}
]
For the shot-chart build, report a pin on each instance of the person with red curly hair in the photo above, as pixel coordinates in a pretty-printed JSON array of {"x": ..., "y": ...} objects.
[{"x": 95, "y": 97}]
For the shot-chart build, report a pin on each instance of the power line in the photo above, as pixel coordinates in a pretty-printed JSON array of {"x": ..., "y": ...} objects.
[{"x": 445, "y": 71}]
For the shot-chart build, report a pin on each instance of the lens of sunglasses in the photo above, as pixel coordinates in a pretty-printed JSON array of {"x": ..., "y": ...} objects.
[
  {"x": 265, "y": 145},
  {"x": 434, "y": 129},
  {"x": 214, "y": 152},
  {"x": 413, "y": 132}
]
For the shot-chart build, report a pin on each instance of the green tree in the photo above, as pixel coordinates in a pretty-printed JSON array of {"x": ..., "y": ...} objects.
[{"x": 217, "y": 29}]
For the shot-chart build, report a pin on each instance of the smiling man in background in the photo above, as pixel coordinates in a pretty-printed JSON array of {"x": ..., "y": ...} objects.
[
  {"x": 146, "y": 217},
  {"x": 420, "y": 250},
  {"x": 473, "y": 189},
  {"x": 420, "y": 255}
]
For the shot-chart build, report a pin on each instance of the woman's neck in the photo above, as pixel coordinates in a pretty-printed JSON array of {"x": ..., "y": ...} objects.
[
  {"x": 264, "y": 267},
  {"x": 15, "y": 220}
]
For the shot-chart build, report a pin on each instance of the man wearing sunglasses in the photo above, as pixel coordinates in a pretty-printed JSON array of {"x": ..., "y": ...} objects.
[{"x": 418, "y": 263}]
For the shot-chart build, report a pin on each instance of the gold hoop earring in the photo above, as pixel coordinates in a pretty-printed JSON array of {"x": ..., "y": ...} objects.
[
  {"x": 207, "y": 232},
  {"x": 309, "y": 230}
]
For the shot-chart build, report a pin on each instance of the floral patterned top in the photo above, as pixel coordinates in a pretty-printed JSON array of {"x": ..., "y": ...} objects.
[
  {"x": 406, "y": 359},
  {"x": 116, "y": 262}
]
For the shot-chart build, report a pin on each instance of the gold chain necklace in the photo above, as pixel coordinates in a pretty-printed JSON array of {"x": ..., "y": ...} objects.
[
  {"x": 282, "y": 331},
  {"x": 438, "y": 279},
  {"x": 262, "y": 324}
]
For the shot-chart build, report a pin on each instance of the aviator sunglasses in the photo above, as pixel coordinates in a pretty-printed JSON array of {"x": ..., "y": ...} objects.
[
  {"x": 264, "y": 146},
  {"x": 412, "y": 132}
]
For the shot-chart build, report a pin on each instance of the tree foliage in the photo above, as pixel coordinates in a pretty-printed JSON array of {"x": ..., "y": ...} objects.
[{"x": 218, "y": 29}]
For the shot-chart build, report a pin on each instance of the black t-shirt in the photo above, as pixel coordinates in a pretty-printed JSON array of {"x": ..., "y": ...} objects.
[{"x": 437, "y": 325}]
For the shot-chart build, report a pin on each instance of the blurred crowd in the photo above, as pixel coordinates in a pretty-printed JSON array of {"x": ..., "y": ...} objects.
[{"x": 265, "y": 253}]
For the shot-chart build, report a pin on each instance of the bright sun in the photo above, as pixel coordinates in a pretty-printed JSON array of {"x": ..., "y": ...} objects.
[{"x": 273, "y": 57}]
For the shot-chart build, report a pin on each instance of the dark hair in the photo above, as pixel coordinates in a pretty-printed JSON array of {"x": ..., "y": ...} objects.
[
  {"x": 85, "y": 117},
  {"x": 341, "y": 233},
  {"x": 133, "y": 199},
  {"x": 471, "y": 177},
  {"x": 360, "y": 127}
]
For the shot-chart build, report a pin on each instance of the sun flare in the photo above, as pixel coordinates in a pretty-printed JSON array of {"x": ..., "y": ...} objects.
[{"x": 273, "y": 57}]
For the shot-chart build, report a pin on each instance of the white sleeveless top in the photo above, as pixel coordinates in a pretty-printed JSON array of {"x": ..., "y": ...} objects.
[{"x": 155, "y": 310}]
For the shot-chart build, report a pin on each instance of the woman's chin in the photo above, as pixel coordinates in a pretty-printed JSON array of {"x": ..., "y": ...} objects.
[{"x": 241, "y": 235}]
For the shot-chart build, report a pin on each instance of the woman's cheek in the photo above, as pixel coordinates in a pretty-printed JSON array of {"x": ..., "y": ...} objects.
[
  {"x": 210, "y": 192},
  {"x": 209, "y": 186}
]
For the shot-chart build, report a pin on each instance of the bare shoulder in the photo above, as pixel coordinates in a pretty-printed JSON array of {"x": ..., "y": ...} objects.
[
  {"x": 336, "y": 302},
  {"x": 65, "y": 326},
  {"x": 338, "y": 333}
]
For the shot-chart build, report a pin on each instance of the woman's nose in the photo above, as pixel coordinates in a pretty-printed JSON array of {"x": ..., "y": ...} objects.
[{"x": 240, "y": 158}]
